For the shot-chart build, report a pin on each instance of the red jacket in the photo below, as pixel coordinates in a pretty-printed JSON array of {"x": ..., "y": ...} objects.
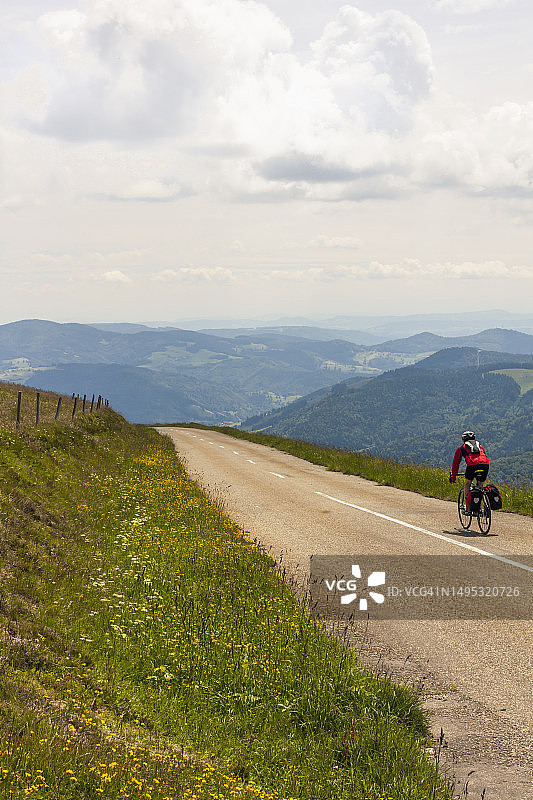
[{"x": 472, "y": 459}]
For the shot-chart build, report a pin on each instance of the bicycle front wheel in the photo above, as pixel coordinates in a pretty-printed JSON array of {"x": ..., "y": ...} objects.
[
  {"x": 464, "y": 518},
  {"x": 484, "y": 518}
]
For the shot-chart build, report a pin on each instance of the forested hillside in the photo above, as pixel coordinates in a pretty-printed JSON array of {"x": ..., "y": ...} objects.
[{"x": 417, "y": 413}]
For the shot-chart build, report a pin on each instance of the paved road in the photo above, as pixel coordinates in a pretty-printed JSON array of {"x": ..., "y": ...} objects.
[{"x": 478, "y": 674}]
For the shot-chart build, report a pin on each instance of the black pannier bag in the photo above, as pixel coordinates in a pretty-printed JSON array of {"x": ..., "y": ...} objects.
[
  {"x": 495, "y": 497},
  {"x": 474, "y": 500}
]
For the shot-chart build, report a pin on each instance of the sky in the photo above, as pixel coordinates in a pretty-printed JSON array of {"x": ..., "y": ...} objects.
[{"x": 171, "y": 159}]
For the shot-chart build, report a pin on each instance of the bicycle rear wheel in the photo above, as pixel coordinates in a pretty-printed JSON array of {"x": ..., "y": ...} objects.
[
  {"x": 484, "y": 518},
  {"x": 464, "y": 518}
]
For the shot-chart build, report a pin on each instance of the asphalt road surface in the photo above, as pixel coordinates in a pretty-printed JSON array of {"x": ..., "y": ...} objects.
[{"x": 476, "y": 674}]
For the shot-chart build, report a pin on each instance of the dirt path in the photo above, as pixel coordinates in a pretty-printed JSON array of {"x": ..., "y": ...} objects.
[{"x": 477, "y": 675}]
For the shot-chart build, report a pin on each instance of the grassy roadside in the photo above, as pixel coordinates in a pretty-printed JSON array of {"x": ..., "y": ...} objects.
[
  {"x": 149, "y": 650},
  {"x": 429, "y": 481}
]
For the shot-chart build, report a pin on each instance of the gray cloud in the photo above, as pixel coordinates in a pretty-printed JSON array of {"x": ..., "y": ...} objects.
[{"x": 305, "y": 168}]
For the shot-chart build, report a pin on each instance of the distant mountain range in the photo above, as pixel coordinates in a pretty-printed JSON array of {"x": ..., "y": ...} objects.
[
  {"x": 383, "y": 327},
  {"x": 169, "y": 374},
  {"x": 455, "y": 324},
  {"x": 500, "y": 339},
  {"x": 416, "y": 345},
  {"x": 194, "y": 376},
  {"x": 418, "y": 412},
  {"x": 312, "y": 332}
]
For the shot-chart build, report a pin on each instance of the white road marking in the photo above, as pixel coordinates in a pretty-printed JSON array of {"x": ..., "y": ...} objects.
[
  {"x": 430, "y": 533},
  {"x": 211, "y": 443},
  {"x": 222, "y": 446},
  {"x": 277, "y": 475},
  {"x": 250, "y": 461},
  {"x": 236, "y": 452}
]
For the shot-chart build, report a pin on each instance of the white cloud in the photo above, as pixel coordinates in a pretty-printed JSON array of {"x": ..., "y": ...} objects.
[
  {"x": 91, "y": 259},
  {"x": 487, "y": 270},
  {"x": 239, "y": 114},
  {"x": 115, "y": 276},
  {"x": 337, "y": 242},
  {"x": 466, "y": 270},
  {"x": 149, "y": 189},
  {"x": 404, "y": 269},
  {"x": 13, "y": 202},
  {"x": 454, "y": 30},
  {"x": 147, "y": 68},
  {"x": 197, "y": 275},
  {"x": 470, "y": 6},
  {"x": 378, "y": 66},
  {"x": 489, "y": 154},
  {"x": 222, "y": 76}
]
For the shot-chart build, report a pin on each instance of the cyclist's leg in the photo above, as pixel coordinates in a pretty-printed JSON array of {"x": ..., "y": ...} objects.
[
  {"x": 481, "y": 478},
  {"x": 470, "y": 477}
]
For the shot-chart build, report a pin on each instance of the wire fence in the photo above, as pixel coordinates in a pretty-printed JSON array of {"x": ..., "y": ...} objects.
[{"x": 31, "y": 407}]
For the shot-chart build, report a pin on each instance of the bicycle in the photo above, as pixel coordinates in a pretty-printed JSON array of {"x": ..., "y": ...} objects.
[{"x": 484, "y": 515}]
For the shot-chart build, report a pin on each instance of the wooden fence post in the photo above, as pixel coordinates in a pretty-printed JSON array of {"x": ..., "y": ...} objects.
[
  {"x": 58, "y": 409},
  {"x": 84, "y": 402},
  {"x": 19, "y": 401},
  {"x": 92, "y": 404},
  {"x": 74, "y": 407},
  {"x": 37, "y": 408},
  {"x": 99, "y": 403}
]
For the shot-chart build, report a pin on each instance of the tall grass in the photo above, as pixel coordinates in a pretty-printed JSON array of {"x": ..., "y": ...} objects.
[
  {"x": 421, "y": 478},
  {"x": 148, "y": 649}
]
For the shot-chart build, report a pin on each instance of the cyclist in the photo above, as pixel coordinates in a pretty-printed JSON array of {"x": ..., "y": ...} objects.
[{"x": 477, "y": 461}]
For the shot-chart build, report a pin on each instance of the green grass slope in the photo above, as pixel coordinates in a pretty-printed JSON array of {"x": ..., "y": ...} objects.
[
  {"x": 523, "y": 377},
  {"x": 148, "y": 649}
]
